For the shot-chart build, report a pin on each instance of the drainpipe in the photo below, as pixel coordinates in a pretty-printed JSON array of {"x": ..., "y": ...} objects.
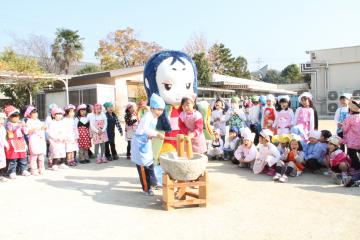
[{"x": 327, "y": 77}]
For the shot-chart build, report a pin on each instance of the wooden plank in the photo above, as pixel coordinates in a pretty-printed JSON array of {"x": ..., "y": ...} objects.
[
  {"x": 191, "y": 194},
  {"x": 168, "y": 193},
  {"x": 181, "y": 203},
  {"x": 180, "y": 194},
  {"x": 203, "y": 190},
  {"x": 189, "y": 184}
]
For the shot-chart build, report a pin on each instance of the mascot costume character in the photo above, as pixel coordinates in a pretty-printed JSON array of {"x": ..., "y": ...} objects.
[{"x": 172, "y": 75}]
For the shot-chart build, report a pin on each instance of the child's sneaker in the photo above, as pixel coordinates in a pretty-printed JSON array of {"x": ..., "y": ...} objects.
[
  {"x": 35, "y": 173},
  {"x": 277, "y": 177},
  {"x": 98, "y": 161},
  {"x": 328, "y": 173},
  {"x": 12, "y": 176},
  {"x": 103, "y": 160},
  {"x": 55, "y": 168},
  {"x": 344, "y": 177},
  {"x": 115, "y": 157},
  {"x": 336, "y": 178},
  {"x": 149, "y": 193},
  {"x": 63, "y": 166},
  {"x": 72, "y": 164},
  {"x": 283, "y": 179},
  {"x": 25, "y": 173}
]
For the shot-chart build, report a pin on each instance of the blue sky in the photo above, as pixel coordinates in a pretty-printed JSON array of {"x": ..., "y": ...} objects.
[{"x": 278, "y": 31}]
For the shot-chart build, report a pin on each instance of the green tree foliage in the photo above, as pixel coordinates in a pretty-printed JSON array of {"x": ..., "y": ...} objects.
[
  {"x": 292, "y": 74},
  {"x": 67, "y": 48},
  {"x": 272, "y": 76},
  {"x": 22, "y": 91},
  {"x": 203, "y": 69},
  {"x": 222, "y": 62},
  {"x": 89, "y": 68}
]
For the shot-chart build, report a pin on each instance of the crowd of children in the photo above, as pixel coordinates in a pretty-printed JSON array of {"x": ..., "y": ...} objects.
[
  {"x": 261, "y": 133},
  {"x": 270, "y": 138},
  {"x": 26, "y": 143}
]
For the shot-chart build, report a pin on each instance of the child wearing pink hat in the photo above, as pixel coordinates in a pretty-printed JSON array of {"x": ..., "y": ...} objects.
[
  {"x": 98, "y": 126},
  {"x": 37, "y": 142},
  {"x": 131, "y": 123},
  {"x": 16, "y": 153},
  {"x": 57, "y": 138}
]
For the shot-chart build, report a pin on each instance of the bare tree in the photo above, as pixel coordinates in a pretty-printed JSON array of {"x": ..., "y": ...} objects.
[
  {"x": 39, "y": 47},
  {"x": 196, "y": 44}
]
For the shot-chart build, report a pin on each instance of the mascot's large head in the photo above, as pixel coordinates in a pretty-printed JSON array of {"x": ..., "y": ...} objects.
[{"x": 172, "y": 75}]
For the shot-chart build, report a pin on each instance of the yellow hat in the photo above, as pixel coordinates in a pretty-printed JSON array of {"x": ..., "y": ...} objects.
[
  {"x": 275, "y": 139},
  {"x": 285, "y": 138}
]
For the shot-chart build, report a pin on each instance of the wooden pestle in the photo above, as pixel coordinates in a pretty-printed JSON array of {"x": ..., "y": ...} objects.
[
  {"x": 180, "y": 145},
  {"x": 188, "y": 145}
]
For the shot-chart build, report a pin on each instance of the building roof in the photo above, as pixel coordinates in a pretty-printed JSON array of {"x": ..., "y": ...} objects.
[
  {"x": 10, "y": 77},
  {"x": 327, "y": 49},
  {"x": 110, "y": 74},
  {"x": 214, "y": 89},
  {"x": 229, "y": 82}
]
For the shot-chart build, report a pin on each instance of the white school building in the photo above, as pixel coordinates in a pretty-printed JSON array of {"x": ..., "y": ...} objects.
[{"x": 333, "y": 72}]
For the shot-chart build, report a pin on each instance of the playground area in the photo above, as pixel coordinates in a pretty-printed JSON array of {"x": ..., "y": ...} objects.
[{"x": 106, "y": 202}]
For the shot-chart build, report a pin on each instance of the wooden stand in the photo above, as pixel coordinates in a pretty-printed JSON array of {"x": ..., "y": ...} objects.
[{"x": 175, "y": 192}]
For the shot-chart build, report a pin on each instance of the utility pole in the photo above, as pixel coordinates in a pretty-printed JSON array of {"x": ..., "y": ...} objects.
[{"x": 259, "y": 62}]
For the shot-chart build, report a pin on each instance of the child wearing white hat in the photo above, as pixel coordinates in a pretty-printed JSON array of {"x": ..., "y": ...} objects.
[
  {"x": 216, "y": 146},
  {"x": 341, "y": 114},
  {"x": 269, "y": 113},
  {"x": 284, "y": 116},
  {"x": 306, "y": 114},
  {"x": 314, "y": 152},
  {"x": 246, "y": 153},
  {"x": 268, "y": 155},
  {"x": 339, "y": 162}
]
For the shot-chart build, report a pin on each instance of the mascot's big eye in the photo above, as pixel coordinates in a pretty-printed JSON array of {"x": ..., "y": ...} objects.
[
  {"x": 167, "y": 86},
  {"x": 188, "y": 85}
]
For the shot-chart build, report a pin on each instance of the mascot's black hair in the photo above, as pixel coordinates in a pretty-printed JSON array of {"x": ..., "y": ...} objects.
[{"x": 150, "y": 74}]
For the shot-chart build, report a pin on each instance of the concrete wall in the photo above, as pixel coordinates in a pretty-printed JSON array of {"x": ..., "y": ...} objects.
[
  {"x": 105, "y": 93},
  {"x": 122, "y": 92},
  {"x": 338, "y": 69}
]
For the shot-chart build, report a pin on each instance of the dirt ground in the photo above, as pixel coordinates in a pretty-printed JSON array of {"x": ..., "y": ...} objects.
[{"x": 105, "y": 202}]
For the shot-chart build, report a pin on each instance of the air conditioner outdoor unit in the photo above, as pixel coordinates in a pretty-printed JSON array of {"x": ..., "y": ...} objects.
[
  {"x": 332, "y": 101},
  {"x": 313, "y": 56},
  {"x": 333, "y": 95}
]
